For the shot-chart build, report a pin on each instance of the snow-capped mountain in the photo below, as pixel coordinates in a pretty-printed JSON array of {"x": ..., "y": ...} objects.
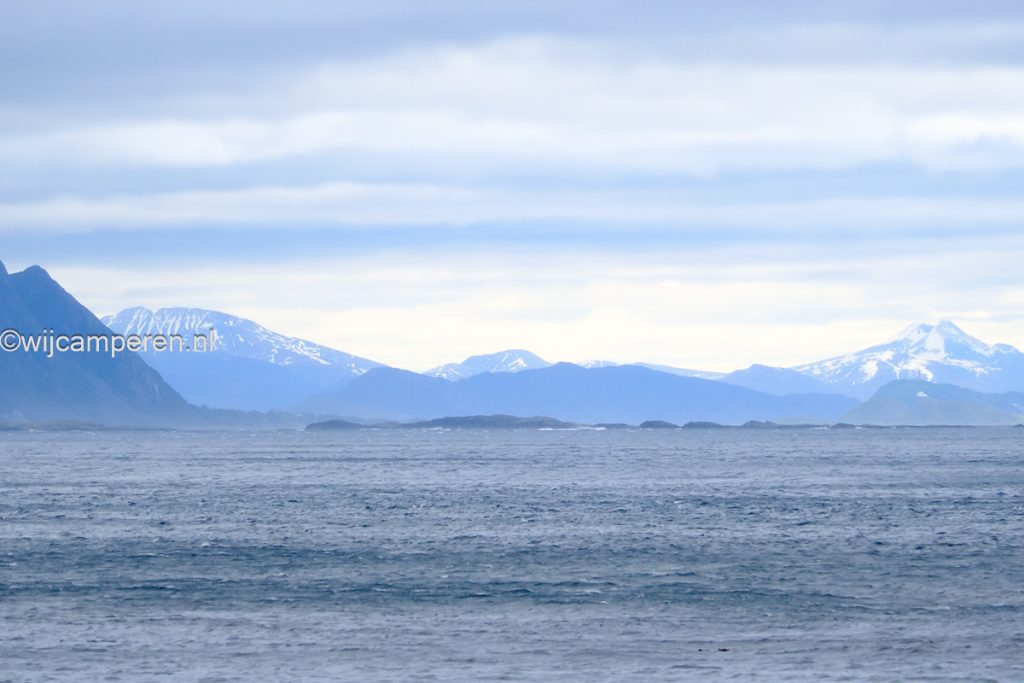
[
  {"x": 250, "y": 367},
  {"x": 235, "y": 336},
  {"x": 940, "y": 353},
  {"x": 512, "y": 360},
  {"x": 590, "y": 364}
]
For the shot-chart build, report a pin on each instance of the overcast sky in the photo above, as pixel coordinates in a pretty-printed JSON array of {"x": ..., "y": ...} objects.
[{"x": 700, "y": 184}]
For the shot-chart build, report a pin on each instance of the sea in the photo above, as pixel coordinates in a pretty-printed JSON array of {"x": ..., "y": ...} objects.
[{"x": 474, "y": 555}]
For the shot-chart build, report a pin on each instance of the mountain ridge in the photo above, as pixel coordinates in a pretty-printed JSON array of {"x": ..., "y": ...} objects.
[
  {"x": 250, "y": 368},
  {"x": 571, "y": 393},
  {"x": 273, "y": 372}
]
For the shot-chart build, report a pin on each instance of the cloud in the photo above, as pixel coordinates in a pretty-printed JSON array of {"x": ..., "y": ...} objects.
[
  {"x": 345, "y": 203},
  {"x": 549, "y": 101}
]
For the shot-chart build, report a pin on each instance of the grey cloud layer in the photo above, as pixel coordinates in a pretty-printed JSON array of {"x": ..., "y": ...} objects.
[{"x": 888, "y": 133}]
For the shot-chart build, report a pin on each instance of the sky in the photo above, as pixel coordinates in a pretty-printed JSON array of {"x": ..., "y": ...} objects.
[{"x": 705, "y": 185}]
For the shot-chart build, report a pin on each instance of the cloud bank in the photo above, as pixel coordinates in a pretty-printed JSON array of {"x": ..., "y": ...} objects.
[{"x": 800, "y": 162}]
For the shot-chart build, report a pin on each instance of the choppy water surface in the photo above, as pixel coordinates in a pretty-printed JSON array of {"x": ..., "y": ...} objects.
[{"x": 429, "y": 555}]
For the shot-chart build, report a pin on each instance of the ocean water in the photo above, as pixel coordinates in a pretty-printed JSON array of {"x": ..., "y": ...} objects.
[{"x": 528, "y": 555}]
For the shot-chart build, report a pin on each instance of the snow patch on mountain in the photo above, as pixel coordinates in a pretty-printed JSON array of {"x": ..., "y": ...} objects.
[
  {"x": 512, "y": 360},
  {"x": 590, "y": 364},
  {"x": 235, "y": 337}
]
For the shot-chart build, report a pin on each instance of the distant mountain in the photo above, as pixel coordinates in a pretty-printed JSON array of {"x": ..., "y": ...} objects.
[
  {"x": 82, "y": 386},
  {"x": 599, "y": 364},
  {"x": 251, "y": 368},
  {"x": 513, "y": 360},
  {"x": 683, "y": 372},
  {"x": 670, "y": 369},
  {"x": 571, "y": 393},
  {"x": 780, "y": 381},
  {"x": 940, "y": 353},
  {"x": 918, "y": 402}
]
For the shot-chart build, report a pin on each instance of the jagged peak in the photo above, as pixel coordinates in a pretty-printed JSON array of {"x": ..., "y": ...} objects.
[{"x": 3, "y": 269}]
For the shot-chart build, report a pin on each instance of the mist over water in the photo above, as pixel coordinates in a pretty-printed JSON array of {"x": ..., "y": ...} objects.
[{"x": 525, "y": 555}]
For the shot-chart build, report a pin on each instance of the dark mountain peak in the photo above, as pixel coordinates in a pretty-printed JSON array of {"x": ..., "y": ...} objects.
[
  {"x": 36, "y": 282},
  {"x": 85, "y": 385},
  {"x": 3, "y": 269},
  {"x": 34, "y": 273}
]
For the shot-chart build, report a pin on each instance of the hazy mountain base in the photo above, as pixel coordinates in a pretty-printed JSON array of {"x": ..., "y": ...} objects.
[
  {"x": 464, "y": 422},
  {"x": 899, "y": 403},
  {"x": 629, "y": 394},
  {"x": 507, "y": 422}
]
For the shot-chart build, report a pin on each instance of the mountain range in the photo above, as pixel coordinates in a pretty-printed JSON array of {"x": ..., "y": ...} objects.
[
  {"x": 254, "y": 368},
  {"x": 249, "y": 367},
  {"x": 928, "y": 374},
  {"x": 517, "y": 360},
  {"x": 941, "y": 353}
]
